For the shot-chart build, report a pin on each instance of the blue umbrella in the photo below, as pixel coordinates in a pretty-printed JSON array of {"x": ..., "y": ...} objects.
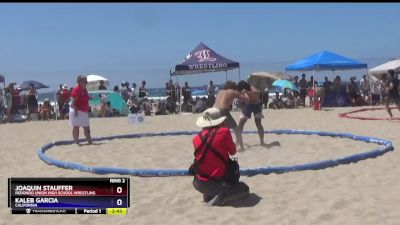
[
  {"x": 25, "y": 85},
  {"x": 285, "y": 84}
]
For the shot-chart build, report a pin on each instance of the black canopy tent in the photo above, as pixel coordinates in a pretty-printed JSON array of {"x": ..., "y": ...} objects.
[{"x": 203, "y": 59}]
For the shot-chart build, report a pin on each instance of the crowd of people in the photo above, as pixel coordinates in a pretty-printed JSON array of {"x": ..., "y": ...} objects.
[
  {"x": 176, "y": 99},
  {"x": 336, "y": 93},
  {"x": 15, "y": 102},
  {"x": 215, "y": 172}
]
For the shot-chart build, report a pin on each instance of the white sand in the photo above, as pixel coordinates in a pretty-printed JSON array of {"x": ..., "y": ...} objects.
[{"x": 363, "y": 193}]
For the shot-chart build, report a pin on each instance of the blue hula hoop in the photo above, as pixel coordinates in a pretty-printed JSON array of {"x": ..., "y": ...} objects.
[{"x": 387, "y": 146}]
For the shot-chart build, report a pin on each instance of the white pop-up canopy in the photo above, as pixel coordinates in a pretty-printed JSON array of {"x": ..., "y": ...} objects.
[
  {"x": 378, "y": 71},
  {"x": 94, "y": 82}
]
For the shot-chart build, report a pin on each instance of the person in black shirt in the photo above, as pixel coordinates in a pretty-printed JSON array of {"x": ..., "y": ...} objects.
[
  {"x": 311, "y": 83},
  {"x": 177, "y": 93},
  {"x": 101, "y": 86},
  {"x": 168, "y": 90},
  {"x": 303, "y": 89},
  {"x": 352, "y": 90},
  {"x": 296, "y": 83},
  {"x": 187, "y": 95},
  {"x": 392, "y": 85},
  {"x": 186, "y": 92},
  {"x": 142, "y": 90},
  {"x": 327, "y": 85}
]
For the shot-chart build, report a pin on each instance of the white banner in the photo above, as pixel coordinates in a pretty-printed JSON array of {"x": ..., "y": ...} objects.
[{"x": 134, "y": 118}]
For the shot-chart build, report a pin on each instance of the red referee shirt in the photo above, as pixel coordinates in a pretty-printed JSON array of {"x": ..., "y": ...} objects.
[
  {"x": 82, "y": 96},
  {"x": 212, "y": 165}
]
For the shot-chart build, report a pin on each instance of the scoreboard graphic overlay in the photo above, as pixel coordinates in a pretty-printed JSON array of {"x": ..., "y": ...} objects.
[{"x": 69, "y": 195}]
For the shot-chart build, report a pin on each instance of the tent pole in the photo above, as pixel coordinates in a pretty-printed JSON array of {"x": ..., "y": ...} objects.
[
  {"x": 56, "y": 104},
  {"x": 178, "y": 93},
  {"x": 369, "y": 88},
  {"x": 226, "y": 75},
  {"x": 315, "y": 92},
  {"x": 239, "y": 72}
]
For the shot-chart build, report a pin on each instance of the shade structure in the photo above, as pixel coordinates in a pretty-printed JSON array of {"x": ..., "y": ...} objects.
[
  {"x": 281, "y": 84},
  {"x": 326, "y": 60},
  {"x": 379, "y": 70},
  {"x": 115, "y": 99},
  {"x": 262, "y": 80},
  {"x": 203, "y": 59},
  {"x": 94, "y": 82},
  {"x": 25, "y": 85}
]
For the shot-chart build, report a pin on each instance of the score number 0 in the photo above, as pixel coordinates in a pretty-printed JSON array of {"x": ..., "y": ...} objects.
[{"x": 119, "y": 191}]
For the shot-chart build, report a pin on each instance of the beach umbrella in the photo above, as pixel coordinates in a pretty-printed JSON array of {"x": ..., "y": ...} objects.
[
  {"x": 25, "y": 85},
  {"x": 285, "y": 84},
  {"x": 379, "y": 70},
  {"x": 94, "y": 82},
  {"x": 262, "y": 80}
]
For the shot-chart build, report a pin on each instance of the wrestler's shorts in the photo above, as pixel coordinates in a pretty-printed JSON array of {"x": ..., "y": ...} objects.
[{"x": 252, "y": 108}]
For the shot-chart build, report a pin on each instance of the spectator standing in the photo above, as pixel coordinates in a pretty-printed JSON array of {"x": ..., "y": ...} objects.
[
  {"x": 143, "y": 90},
  {"x": 65, "y": 95},
  {"x": 101, "y": 86},
  {"x": 303, "y": 89},
  {"x": 392, "y": 85},
  {"x": 134, "y": 86},
  {"x": 352, "y": 90},
  {"x": 211, "y": 91},
  {"x": 365, "y": 88},
  {"x": 32, "y": 101},
  {"x": 187, "y": 94}
]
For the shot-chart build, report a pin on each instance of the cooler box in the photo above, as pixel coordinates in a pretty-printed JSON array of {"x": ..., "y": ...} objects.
[{"x": 317, "y": 105}]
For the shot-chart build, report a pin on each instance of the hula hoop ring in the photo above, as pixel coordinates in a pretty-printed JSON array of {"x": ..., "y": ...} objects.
[
  {"x": 346, "y": 115},
  {"x": 387, "y": 146}
]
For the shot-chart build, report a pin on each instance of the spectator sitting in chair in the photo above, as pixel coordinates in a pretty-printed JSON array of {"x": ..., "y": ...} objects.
[
  {"x": 46, "y": 110},
  {"x": 290, "y": 100},
  {"x": 277, "y": 102},
  {"x": 110, "y": 112},
  {"x": 170, "y": 106},
  {"x": 201, "y": 105},
  {"x": 133, "y": 104}
]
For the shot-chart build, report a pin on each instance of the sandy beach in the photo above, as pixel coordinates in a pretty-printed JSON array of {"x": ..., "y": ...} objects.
[{"x": 363, "y": 193}]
